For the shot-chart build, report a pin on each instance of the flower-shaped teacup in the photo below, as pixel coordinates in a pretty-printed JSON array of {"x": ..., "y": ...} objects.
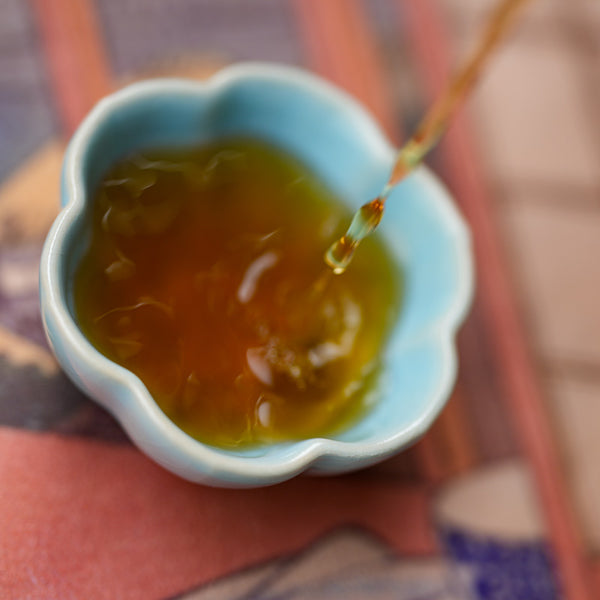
[{"x": 338, "y": 140}]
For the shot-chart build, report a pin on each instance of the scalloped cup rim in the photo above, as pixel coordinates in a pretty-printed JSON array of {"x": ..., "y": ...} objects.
[{"x": 137, "y": 412}]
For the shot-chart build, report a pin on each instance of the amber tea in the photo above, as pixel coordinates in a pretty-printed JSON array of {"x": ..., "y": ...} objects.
[{"x": 200, "y": 279}]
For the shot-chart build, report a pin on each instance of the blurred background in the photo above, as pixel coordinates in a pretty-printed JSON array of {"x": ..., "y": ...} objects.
[{"x": 523, "y": 162}]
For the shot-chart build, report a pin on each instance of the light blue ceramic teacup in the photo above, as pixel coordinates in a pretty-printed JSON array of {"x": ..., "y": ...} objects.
[{"x": 336, "y": 138}]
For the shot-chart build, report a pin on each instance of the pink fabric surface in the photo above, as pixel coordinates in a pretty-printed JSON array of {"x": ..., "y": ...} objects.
[{"x": 86, "y": 519}]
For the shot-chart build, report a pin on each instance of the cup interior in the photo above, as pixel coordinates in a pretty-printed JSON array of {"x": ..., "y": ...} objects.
[{"x": 338, "y": 141}]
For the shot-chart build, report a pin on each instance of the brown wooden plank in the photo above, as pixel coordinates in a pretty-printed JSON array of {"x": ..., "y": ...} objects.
[
  {"x": 75, "y": 55},
  {"x": 521, "y": 389}
]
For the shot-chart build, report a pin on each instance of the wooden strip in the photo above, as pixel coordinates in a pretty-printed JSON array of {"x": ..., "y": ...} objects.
[
  {"x": 460, "y": 447},
  {"x": 596, "y": 575},
  {"x": 429, "y": 457},
  {"x": 341, "y": 47},
  {"x": 521, "y": 390},
  {"x": 77, "y": 63},
  {"x": 448, "y": 448}
]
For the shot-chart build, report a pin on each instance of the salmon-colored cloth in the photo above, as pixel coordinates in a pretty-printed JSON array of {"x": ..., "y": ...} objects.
[{"x": 87, "y": 519}]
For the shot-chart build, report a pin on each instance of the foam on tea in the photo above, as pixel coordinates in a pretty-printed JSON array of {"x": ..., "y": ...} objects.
[{"x": 205, "y": 278}]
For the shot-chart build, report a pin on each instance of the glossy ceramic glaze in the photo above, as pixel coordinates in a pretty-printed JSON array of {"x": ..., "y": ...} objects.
[{"x": 339, "y": 141}]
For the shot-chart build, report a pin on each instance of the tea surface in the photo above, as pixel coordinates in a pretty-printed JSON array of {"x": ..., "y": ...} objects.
[{"x": 205, "y": 278}]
